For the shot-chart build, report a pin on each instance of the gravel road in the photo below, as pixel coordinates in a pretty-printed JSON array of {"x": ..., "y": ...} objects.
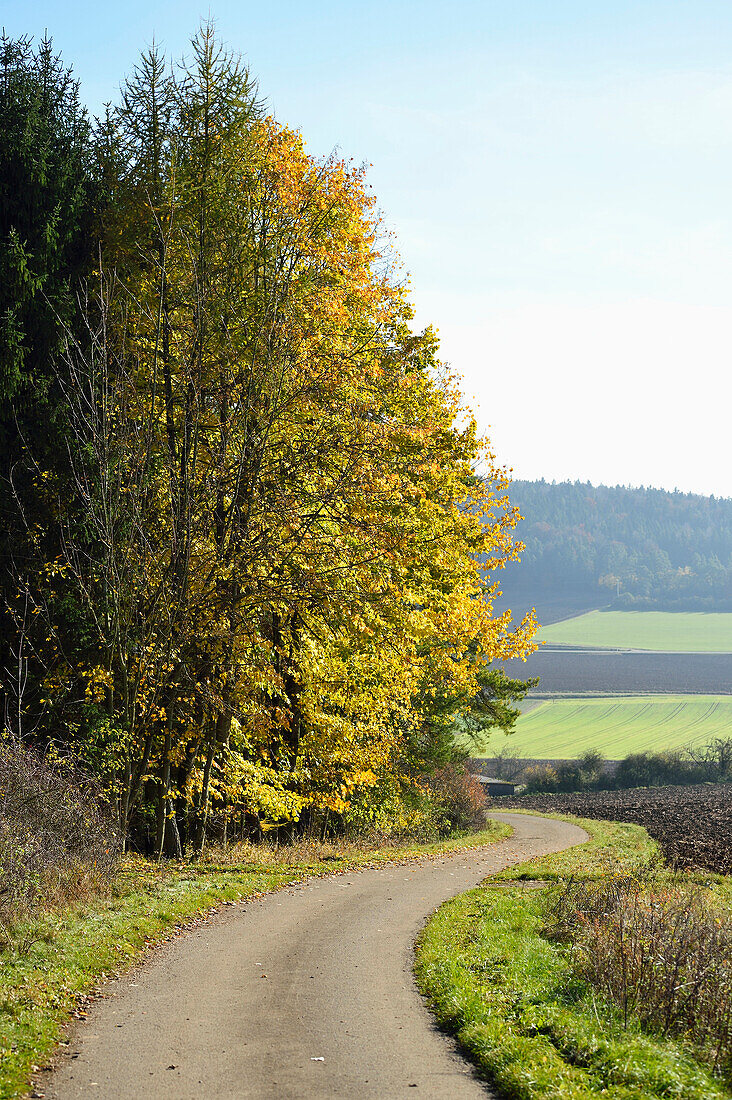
[{"x": 301, "y": 995}]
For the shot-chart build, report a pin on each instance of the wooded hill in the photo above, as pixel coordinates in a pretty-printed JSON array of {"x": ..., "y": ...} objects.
[{"x": 591, "y": 546}]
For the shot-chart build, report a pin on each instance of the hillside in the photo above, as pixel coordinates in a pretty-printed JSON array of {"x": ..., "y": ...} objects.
[{"x": 593, "y": 546}]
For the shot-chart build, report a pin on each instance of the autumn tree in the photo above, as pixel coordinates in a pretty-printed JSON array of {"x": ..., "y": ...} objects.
[{"x": 281, "y": 546}]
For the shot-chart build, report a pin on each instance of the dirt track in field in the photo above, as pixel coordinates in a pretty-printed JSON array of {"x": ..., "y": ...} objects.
[{"x": 304, "y": 994}]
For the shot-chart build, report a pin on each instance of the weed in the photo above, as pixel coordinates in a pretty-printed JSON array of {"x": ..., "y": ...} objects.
[
  {"x": 661, "y": 950},
  {"x": 57, "y": 841},
  {"x": 533, "y": 1024}
]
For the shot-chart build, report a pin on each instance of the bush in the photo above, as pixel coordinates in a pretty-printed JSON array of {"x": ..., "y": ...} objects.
[
  {"x": 458, "y": 799},
  {"x": 656, "y": 769},
  {"x": 57, "y": 838},
  {"x": 387, "y": 815},
  {"x": 450, "y": 799},
  {"x": 706, "y": 764},
  {"x": 662, "y": 952},
  {"x": 540, "y": 779},
  {"x": 585, "y": 773}
]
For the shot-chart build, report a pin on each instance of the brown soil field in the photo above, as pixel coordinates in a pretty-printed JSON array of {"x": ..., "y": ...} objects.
[
  {"x": 693, "y": 824},
  {"x": 572, "y": 671}
]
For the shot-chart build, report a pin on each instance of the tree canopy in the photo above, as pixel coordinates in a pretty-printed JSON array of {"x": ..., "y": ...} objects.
[{"x": 261, "y": 588}]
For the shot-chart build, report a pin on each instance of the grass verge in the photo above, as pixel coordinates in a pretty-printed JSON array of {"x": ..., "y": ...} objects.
[
  {"x": 59, "y": 958},
  {"x": 513, "y": 1001}
]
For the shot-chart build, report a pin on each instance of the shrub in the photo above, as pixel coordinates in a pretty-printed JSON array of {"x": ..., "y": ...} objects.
[
  {"x": 57, "y": 839},
  {"x": 714, "y": 760},
  {"x": 661, "y": 952},
  {"x": 387, "y": 816},
  {"x": 654, "y": 769},
  {"x": 449, "y": 799},
  {"x": 458, "y": 799},
  {"x": 709, "y": 763},
  {"x": 585, "y": 773},
  {"x": 540, "y": 778}
]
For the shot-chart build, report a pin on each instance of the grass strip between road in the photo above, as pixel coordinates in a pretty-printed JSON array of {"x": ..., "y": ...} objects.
[
  {"x": 532, "y": 1027},
  {"x": 57, "y": 960}
]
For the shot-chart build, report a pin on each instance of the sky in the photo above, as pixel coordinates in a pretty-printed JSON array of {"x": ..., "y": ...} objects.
[{"x": 558, "y": 179}]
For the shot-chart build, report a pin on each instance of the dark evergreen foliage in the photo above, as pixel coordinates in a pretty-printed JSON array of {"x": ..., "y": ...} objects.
[
  {"x": 45, "y": 214},
  {"x": 47, "y": 245}
]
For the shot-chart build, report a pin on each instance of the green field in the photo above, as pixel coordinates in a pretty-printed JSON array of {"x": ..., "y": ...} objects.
[
  {"x": 676, "y": 631},
  {"x": 564, "y": 728}
]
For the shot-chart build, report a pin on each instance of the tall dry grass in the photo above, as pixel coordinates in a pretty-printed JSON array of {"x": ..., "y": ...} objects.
[
  {"x": 57, "y": 839},
  {"x": 661, "y": 951}
]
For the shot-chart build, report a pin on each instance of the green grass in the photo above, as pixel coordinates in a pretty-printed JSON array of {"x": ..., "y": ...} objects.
[
  {"x": 531, "y": 1026},
  {"x": 699, "y": 632},
  {"x": 611, "y": 844},
  {"x": 60, "y": 957},
  {"x": 617, "y": 725}
]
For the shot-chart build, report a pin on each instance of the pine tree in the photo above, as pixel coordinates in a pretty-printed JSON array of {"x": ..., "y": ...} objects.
[{"x": 46, "y": 246}]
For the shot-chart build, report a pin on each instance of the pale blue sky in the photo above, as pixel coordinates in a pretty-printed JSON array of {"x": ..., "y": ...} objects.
[{"x": 559, "y": 179}]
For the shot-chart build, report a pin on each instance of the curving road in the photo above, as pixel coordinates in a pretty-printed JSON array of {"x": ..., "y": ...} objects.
[{"x": 304, "y": 994}]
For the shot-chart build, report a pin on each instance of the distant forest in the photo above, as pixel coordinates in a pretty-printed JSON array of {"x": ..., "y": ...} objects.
[{"x": 638, "y": 549}]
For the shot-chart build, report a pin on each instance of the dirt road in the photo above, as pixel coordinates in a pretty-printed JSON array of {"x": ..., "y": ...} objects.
[{"x": 305, "y": 994}]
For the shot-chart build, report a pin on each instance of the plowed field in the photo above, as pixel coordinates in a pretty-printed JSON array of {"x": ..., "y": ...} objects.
[
  {"x": 692, "y": 824},
  {"x": 578, "y": 671}
]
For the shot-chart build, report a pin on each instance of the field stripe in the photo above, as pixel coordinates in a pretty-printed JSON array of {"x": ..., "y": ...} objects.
[
  {"x": 563, "y": 728},
  {"x": 655, "y": 631}
]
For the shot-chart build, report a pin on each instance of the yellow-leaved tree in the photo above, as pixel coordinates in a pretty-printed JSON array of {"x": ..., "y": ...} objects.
[{"x": 290, "y": 522}]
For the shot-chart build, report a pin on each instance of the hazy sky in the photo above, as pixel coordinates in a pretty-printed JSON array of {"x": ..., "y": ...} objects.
[{"x": 559, "y": 178}]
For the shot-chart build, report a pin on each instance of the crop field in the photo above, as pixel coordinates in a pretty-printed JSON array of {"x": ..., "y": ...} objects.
[
  {"x": 561, "y": 729},
  {"x": 662, "y": 631},
  {"x": 692, "y": 824},
  {"x": 577, "y": 672}
]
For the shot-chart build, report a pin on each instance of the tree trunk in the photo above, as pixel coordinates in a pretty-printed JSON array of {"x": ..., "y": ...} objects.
[
  {"x": 220, "y": 739},
  {"x": 163, "y": 794}
]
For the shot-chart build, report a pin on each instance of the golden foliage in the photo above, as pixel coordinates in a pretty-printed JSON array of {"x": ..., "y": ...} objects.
[{"x": 301, "y": 551}]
